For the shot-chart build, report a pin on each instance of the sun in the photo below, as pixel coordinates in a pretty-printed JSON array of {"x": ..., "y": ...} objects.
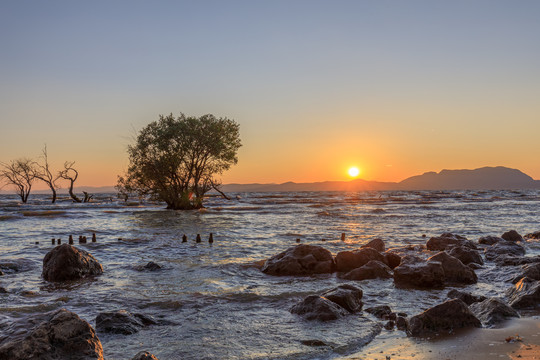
[{"x": 353, "y": 171}]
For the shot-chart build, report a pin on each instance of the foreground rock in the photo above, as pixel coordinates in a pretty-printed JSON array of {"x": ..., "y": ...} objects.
[
  {"x": 122, "y": 322},
  {"x": 56, "y": 335},
  {"x": 532, "y": 271},
  {"x": 505, "y": 260},
  {"x": 465, "y": 297},
  {"x": 144, "y": 355},
  {"x": 347, "y": 296},
  {"x": 489, "y": 240},
  {"x": 349, "y": 260},
  {"x": 416, "y": 272},
  {"x": 372, "y": 270},
  {"x": 392, "y": 259},
  {"x": 447, "y": 241},
  {"x": 525, "y": 294},
  {"x": 443, "y": 318},
  {"x": 455, "y": 272},
  {"x": 504, "y": 248},
  {"x": 512, "y": 235},
  {"x": 300, "y": 260},
  {"x": 66, "y": 262},
  {"x": 466, "y": 255},
  {"x": 492, "y": 311},
  {"x": 315, "y": 307}
]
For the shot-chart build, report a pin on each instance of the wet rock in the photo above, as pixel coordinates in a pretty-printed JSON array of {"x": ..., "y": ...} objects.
[
  {"x": 447, "y": 241},
  {"x": 348, "y": 260},
  {"x": 300, "y": 260},
  {"x": 3, "y": 290},
  {"x": 474, "y": 266},
  {"x": 492, "y": 311},
  {"x": 381, "y": 311},
  {"x": 11, "y": 266},
  {"x": 532, "y": 271},
  {"x": 55, "y": 335},
  {"x": 122, "y": 322},
  {"x": 467, "y": 298},
  {"x": 150, "y": 266},
  {"x": 443, "y": 318},
  {"x": 372, "y": 270},
  {"x": 512, "y": 235},
  {"x": 347, "y": 296},
  {"x": 535, "y": 235},
  {"x": 66, "y": 262},
  {"x": 313, "y": 342},
  {"x": 525, "y": 294},
  {"x": 315, "y": 307},
  {"x": 416, "y": 272},
  {"x": 466, "y": 255},
  {"x": 455, "y": 272},
  {"x": 1, "y": 273},
  {"x": 392, "y": 259},
  {"x": 401, "y": 323},
  {"x": 144, "y": 355},
  {"x": 489, "y": 240},
  {"x": 505, "y": 260},
  {"x": 504, "y": 248},
  {"x": 390, "y": 325},
  {"x": 377, "y": 244}
]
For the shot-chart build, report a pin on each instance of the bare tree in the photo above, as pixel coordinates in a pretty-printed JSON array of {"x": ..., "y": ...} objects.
[
  {"x": 44, "y": 174},
  {"x": 21, "y": 173},
  {"x": 69, "y": 173}
]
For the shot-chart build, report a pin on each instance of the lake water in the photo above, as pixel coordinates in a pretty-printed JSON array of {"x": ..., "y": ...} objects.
[{"x": 215, "y": 303}]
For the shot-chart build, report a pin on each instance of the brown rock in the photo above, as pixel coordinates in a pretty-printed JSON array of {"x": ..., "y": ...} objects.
[
  {"x": 455, "y": 272},
  {"x": 416, "y": 272},
  {"x": 447, "y": 241},
  {"x": 348, "y": 260},
  {"x": 465, "y": 297},
  {"x": 525, "y": 294},
  {"x": 376, "y": 244},
  {"x": 144, "y": 355},
  {"x": 504, "y": 248},
  {"x": 535, "y": 235},
  {"x": 492, "y": 311},
  {"x": 300, "y": 260},
  {"x": 443, "y": 318},
  {"x": 315, "y": 307},
  {"x": 466, "y": 255},
  {"x": 347, "y": 296},
  {"x": 392, "y": 259},
  {"x": 122, "y": 322},
  {"x": 55, "y": 335},
  {"x": 372, "y": 270},
  {"x": 489, "y": 240},
  {"x": 512, "y": 235},
  {"x": 66, "y": 262}
]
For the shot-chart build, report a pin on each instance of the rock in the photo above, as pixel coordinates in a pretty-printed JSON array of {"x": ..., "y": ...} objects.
[
  {"x": 381, "y": 311},
  {"x": 58, "y": 334},
  {"x": 347, "y": 296},
  {"x": 1, "y": 273},
  {"x": 376, "y": 244},
  {"x": 474, "y": 266},
  {"x": 492, "y": 311},
  {"x": 66, "y": 262},
  {"x": 416, "y": 272},
  {"x": 465, "y": 297},
  {"x": 348, "y": 260},
  {"x": 525, "y": 294},
  {"x": 315, "y": 307},
  {"x": 3, "y": 290},
  {"x": 372, "y": 270},
  {"x": 392, "y": 259},
  {"x": 10, "y": 266},
  {"x": 300, "y": 260},
  {"x": 489, "y": 240},
  {"x": 447, "y": 241},
  {"x": 455, "y": 272},
  {"x": 443, "y": 318},
  {"x": 313, "y": 342},
  {"x": 401, "y": 323},
  {"x": 505, "y": 260},
  {"x": 466, "y": 255},
  {"x": 504, "y": 248},
  {"x": 122, "y": 322},
  {"x": 144, "y": 355},
  {"x": 512, "y": 235},
  {"x": 150, "y": 266},
  {"x": 390, "y": 325},
  {"x": 532, "y": 271},
  {"x": 535, "y": 235}
]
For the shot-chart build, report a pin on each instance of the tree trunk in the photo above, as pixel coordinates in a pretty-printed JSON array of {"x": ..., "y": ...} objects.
[{"x": 73, "y": 196}]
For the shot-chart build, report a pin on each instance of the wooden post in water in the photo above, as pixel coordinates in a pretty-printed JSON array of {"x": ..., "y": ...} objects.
[
  {"x": 94, "y": 237},
  {"x": 342, "y": 236},
  {"x": 211, "y": 238},
  {"x": 184, "y": 238},
  {"x": 297, "y": 240},
  {"x": 59, "y": 241},
  {"x": 53, "y": 240},
  {"x": 70, "y": 240},
  {"x": 198, "y": 238}
]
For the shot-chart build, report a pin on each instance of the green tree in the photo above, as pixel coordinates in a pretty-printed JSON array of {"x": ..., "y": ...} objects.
[{"x": 176, "y": 160}]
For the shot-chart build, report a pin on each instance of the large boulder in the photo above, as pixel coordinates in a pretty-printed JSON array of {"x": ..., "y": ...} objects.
[
  {"x": 347, "y": 296},
  {"x": 416, "y": 272},
  {"x": 466, "y": 255},
  {"x": 144, "y": 355},
  {"x": 504, "y": 248},
  {"x": 467, "y": 298},
  {"x": 392, "y": 259},
  {"x": 455, "y": 272},
  {"x": 315, "y": 307},
  {"x": 447, "y": 241},
  {"x": 66, "y": 262},
  {"x": 372, "y": 270},
  {"x": 300, "y": 260},
  {"x": 512, "y": 235},
  {"x": 525, "y": 294},
  {"x": 489, "y": 240},
  {"x": 122, "y": 322},
  {"x": 377, "y": 244},
  {"x": 443, "y": 318},
  {"x": 492, "y": 311},
  {"x": 348, "y": 260},
  {"x": 55, "y": 335}
]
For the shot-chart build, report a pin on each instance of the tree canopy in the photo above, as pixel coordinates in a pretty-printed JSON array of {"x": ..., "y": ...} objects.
[{"x": 177, "y": 159}]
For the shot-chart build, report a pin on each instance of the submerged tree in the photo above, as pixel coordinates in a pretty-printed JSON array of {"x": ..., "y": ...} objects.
[
  {"x": 176, "y": 159},
  {"x": 21, "y": 173},
  {"x": 44, "y": 174},
  {"x": 71, "y": 174}
]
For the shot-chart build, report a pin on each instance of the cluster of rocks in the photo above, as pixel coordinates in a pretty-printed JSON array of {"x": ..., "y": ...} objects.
[{"x": 62, "y": 334}]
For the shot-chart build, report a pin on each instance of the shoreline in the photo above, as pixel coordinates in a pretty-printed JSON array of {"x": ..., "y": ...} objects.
[{"x": 472, "y": 343}]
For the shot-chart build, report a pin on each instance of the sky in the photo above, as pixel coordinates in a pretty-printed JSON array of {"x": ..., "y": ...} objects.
[{"x": 396, "y": 88}]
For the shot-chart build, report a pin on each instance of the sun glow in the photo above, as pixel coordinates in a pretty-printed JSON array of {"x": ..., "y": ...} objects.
[{"x": 353, "y": 171}]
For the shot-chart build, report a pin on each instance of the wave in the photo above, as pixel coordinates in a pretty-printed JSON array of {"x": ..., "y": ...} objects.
[{"x": 52, "y": 213}]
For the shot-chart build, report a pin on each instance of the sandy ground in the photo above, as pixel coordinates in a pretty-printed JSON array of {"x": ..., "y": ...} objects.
[{"x": 516, "y": 339}]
